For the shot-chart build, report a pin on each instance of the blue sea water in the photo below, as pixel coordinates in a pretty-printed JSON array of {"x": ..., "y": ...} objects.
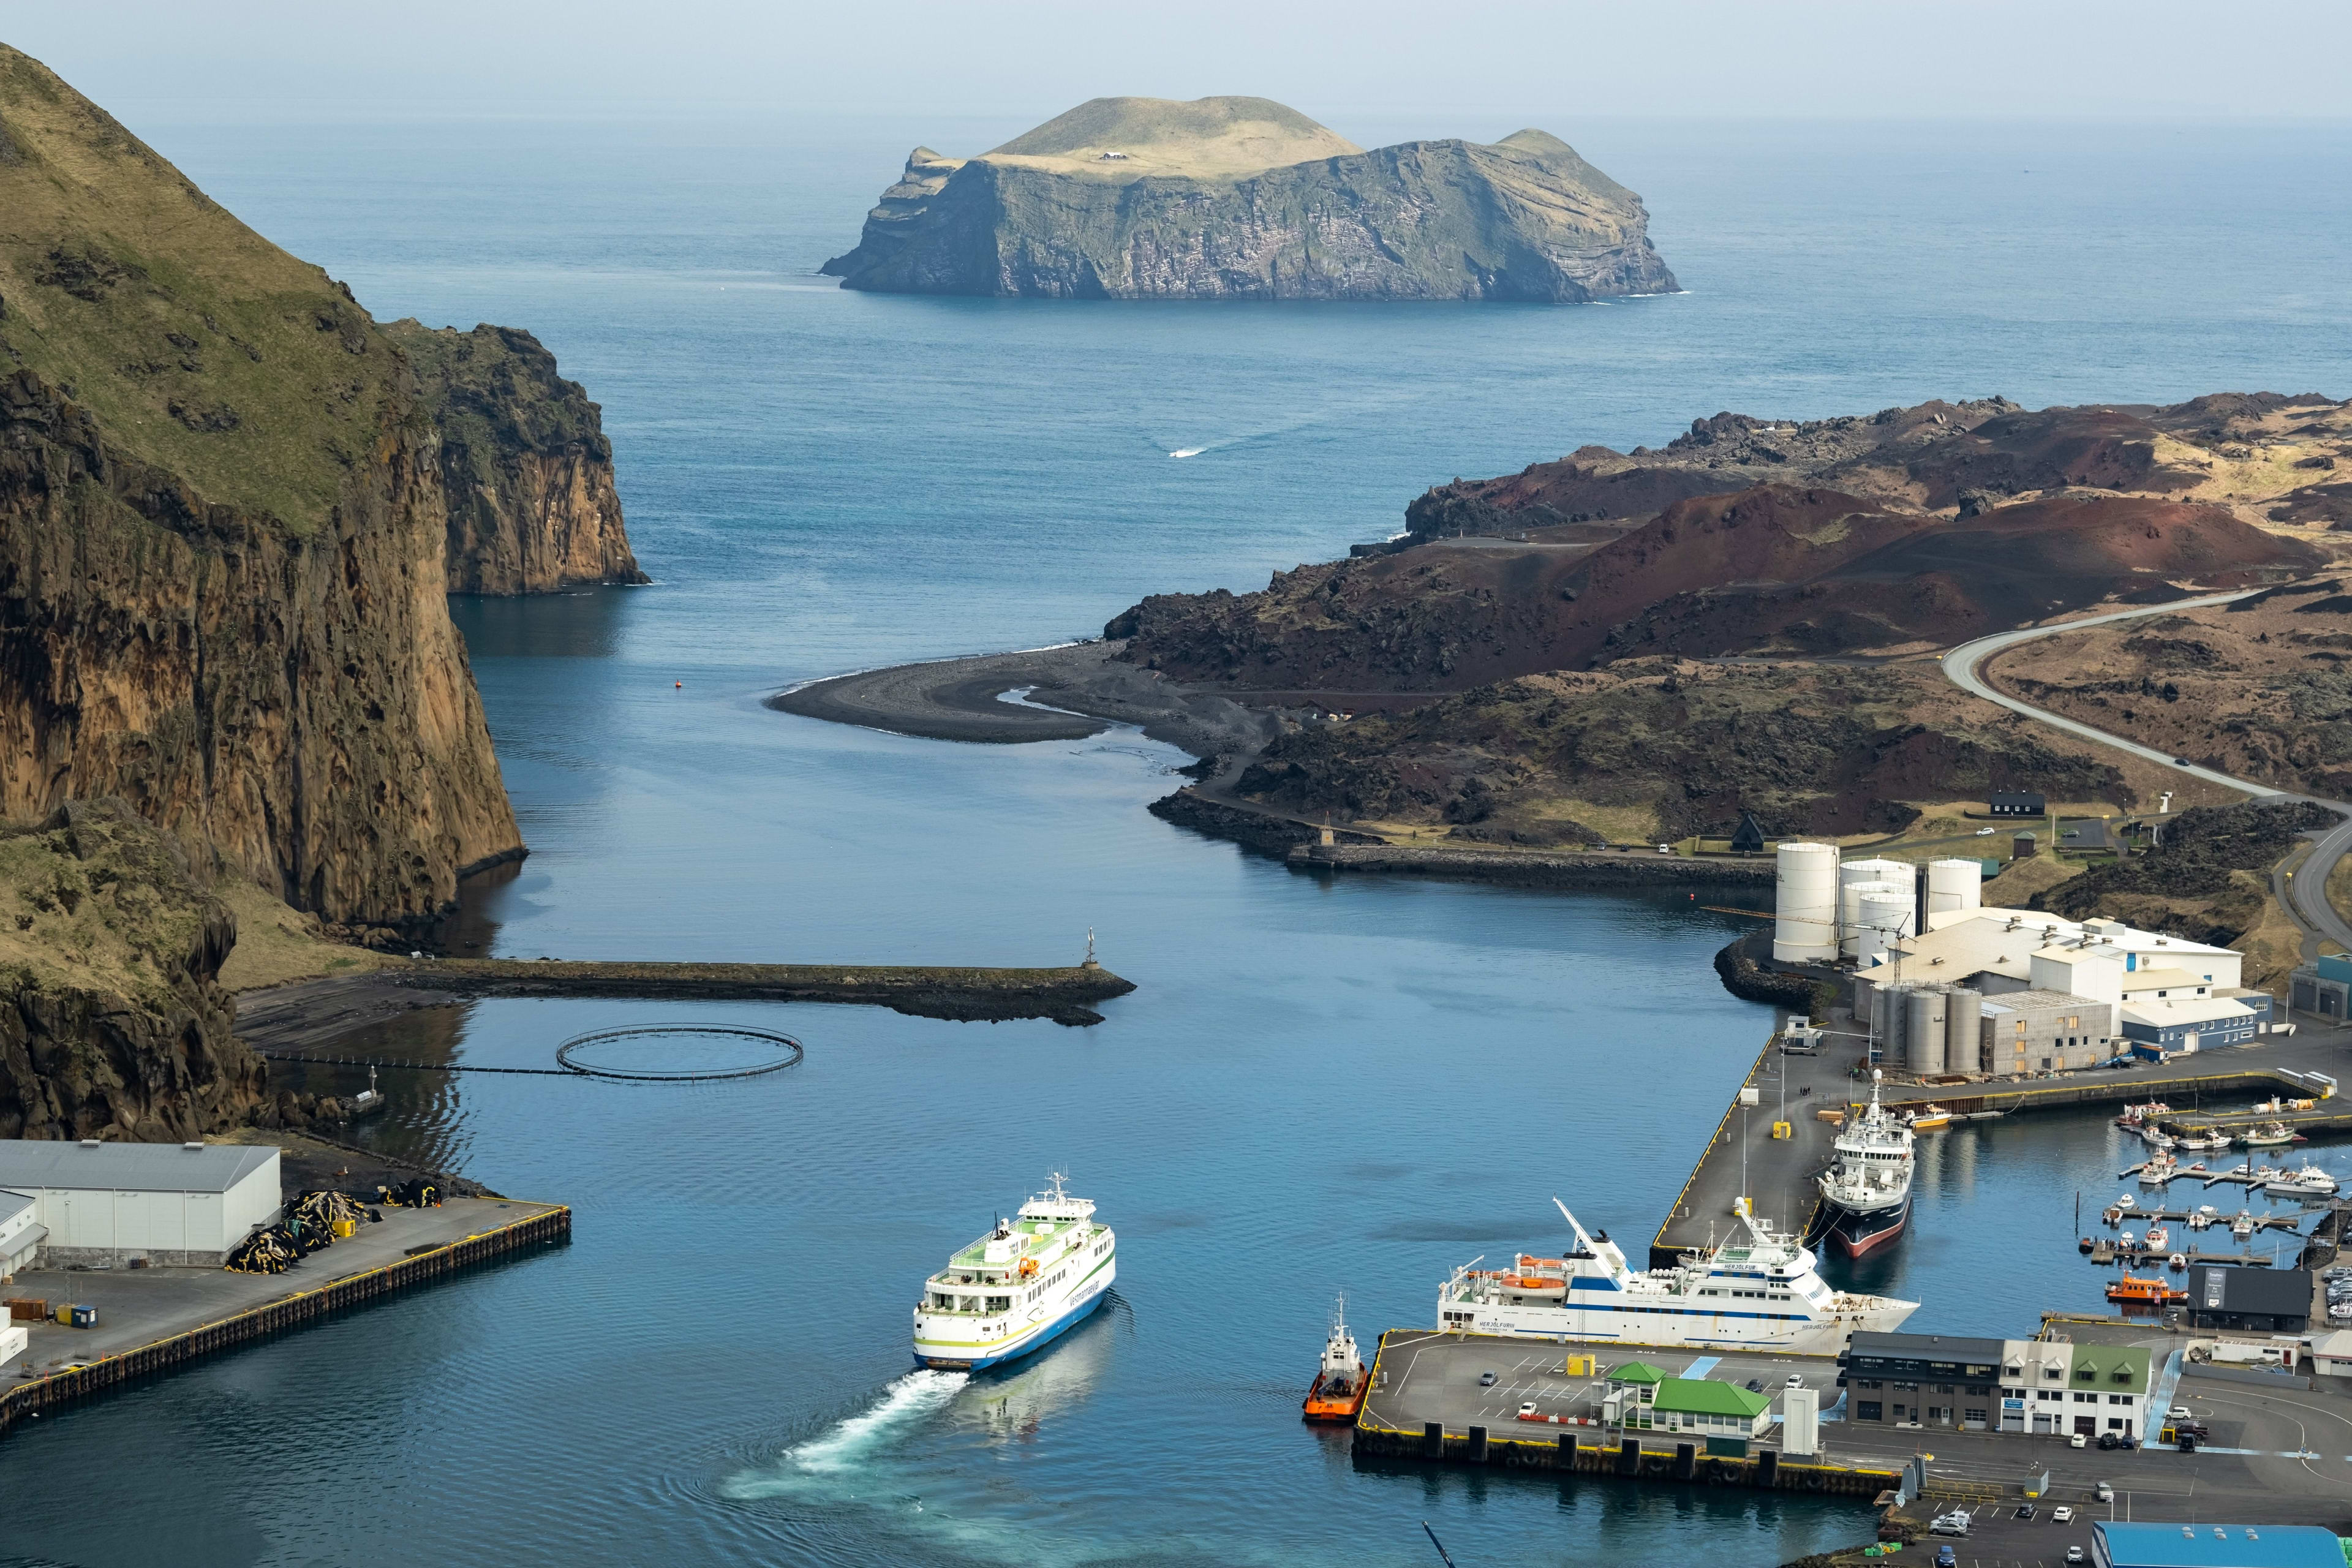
[{"x": 1317, "y": 1086}]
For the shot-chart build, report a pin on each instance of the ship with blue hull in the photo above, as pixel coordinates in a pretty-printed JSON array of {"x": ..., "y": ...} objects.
[{"x": 1013, "y": 1292}]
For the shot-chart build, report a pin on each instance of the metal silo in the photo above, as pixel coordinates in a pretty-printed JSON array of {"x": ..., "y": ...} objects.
[
  {"x": 1805, "y": 904},
  {"x": 1963, "y": 1025},
  {"x": 1890, "y": 1007},
  {"x": 1954, "y": 885},
  {"x": 1923, "y": 1030}
]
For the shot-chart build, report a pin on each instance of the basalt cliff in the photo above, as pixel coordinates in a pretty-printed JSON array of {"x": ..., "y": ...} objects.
[
  {"x": 1241, "y": 198},
  {"x": 226, "y": 540}
]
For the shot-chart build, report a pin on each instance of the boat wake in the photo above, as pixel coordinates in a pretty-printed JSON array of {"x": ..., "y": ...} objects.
[
  {"x": 1187, "y": 451},
  {"x": 849, "y": 1445}
]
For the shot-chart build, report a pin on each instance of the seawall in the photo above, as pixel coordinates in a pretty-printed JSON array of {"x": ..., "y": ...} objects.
[{"x": 1534, "y": 869}]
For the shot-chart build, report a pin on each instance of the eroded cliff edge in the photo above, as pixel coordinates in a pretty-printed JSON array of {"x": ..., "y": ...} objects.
[
  {"x": 525, "y": 466},
  {"x": 1242, "y": 198}
]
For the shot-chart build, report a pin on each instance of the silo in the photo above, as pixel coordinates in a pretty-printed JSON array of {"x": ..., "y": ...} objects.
[
  {"x": 1963, "y": 1025},
  {"x": 1850, "y": 897},
  {"x": 1902, "y": 873},
  {"x": 1954, "y": 885},
  {"x": 1889, "y": 1021},
  {"x": 1883, "y": 918},
  {"x": 1923, "y": 1030},
  {"x": 1805, "y": 905}
]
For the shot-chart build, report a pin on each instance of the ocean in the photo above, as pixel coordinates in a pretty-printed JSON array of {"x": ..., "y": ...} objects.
[{"x": 1318, "y": 1086}]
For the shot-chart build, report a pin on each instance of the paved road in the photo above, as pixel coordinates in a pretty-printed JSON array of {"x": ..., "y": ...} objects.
[{"x": 2303, "y": 893}]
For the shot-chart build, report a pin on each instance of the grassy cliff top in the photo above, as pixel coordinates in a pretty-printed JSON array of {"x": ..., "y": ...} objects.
[
  {"x": 199, "y": 344},
  {"x": 1207, "y": 138},
  {"x": 96, "y": 899}
]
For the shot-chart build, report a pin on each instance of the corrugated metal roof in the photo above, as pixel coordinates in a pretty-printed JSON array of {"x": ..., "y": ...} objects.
[
  {"x": 2273, "y": 1293},
  {"x": 12, "y": 1204},
  {"x": 2138, "y": 1545},
  {"x": 136, "y": 1167}
]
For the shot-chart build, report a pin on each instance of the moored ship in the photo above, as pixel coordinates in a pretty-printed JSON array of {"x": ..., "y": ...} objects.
[
  {"x": 1866, "y": 1192},
  {"x": 1761, "y": 1292},
  {"x": 1341, "y": 1383},
  {"x": 1017, "y": 1289}
]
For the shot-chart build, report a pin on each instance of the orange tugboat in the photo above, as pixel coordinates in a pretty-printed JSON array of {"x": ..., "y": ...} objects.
[
  {"x": 1341, "y": 1385},
  {"x": 2149, "y": 1292}
]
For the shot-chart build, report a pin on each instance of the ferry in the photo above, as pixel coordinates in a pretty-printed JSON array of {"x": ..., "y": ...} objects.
[
  {"x": 1341, "y": 1383},
  {"x": 1760, "y": 1292},
  {"x": 1018, "y": 1288},
  {"x": 1866, "y": 1192}
]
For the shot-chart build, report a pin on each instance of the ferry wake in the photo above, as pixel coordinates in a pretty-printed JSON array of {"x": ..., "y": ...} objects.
[
  {"x": 1760, "y": 1293},
  {"x": 1018, "y": 1288}
]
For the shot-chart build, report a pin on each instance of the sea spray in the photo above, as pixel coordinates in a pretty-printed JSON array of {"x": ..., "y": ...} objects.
[{"x": 853, "y": 1441}]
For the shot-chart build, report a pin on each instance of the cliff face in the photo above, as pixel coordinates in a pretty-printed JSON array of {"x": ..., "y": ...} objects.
[
  {"x": 525, "y": 466},
  {"x": 222, "y": 536},
  {"x": 112, "y": 1020},
  {"x": 1124, "y": 208}
]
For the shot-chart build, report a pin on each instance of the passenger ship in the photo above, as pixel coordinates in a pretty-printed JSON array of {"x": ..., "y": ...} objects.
[
  {"x": 1018, "y": 1288},
  {"x": 1763, "y": 1293},
  {"x": 1866, "y": 1192}
]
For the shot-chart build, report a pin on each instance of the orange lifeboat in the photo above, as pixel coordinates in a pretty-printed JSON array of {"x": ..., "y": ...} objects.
[
  {"x": 1028, "y": 1266},
  {"x": 2149, "y": 1292}
]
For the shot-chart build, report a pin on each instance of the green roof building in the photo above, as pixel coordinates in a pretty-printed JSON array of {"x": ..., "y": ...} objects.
[
  {"x": 1716, "y": 1409},
  {"x": 1637, "y": 1378}
]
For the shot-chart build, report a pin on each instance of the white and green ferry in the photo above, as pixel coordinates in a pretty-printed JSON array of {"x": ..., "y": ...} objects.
[{"x": 1018, "y": 1288}]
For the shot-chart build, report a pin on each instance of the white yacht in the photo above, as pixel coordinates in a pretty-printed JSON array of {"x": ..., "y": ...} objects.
[
  {"x": 1866, "y": 1194},
  {"x": 1019, "y": 1286},
  {"x": 2309, "y": 1181},
  {"x": 1762, "y": 1292}
]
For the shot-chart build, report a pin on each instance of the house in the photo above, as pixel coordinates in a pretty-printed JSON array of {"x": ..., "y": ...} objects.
[
  {"x": 2018, "y": 803},
  {"x": 1747, "y": 839},
  {"x": 1921, "y": 1380},
  {"x": 2050, "y": 1388}
]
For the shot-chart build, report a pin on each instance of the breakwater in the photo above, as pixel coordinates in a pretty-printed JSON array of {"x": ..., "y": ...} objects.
[
  {"x": 1066, "y": 996},
  {"x": 1534, "y": 869},
  {"x": 101, "y": 1373}
]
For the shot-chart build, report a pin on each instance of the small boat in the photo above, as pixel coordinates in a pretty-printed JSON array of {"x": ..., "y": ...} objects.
[
  {"x": 2149, "y": 1292},
  {"x": 2176, "y": 1262},
  {"x": 2131, "y": 1240},
  {"x": 1341, "y": 1384},
  {"x": 2111, "y": 1217},
  {"x": 2203, "y": 1215},
  {"x": 2159, "y": 1237},
  {"x": 2156, "y": 1138},
  {"x": 2127, "y": 1202},
  {"x": 2133, "y": 1115},
  {"x": 2309, "y": 1181},
  {"x": 2241, "y": 1225},
  {"x": 1928, "y": 1118},
  {"x": 2275, "y": 1135},
  {"x": 2157, "y": 1171},
  {"x": 2087, "y": 1244}
]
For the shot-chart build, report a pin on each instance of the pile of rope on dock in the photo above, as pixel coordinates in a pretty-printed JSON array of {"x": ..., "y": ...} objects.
[
  {"x": 312, "y": 1223},
  {"x": 423, "y": 1193}
]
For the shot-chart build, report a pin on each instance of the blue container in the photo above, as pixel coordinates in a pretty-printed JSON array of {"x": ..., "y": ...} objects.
[{"x": 84, "y": 1316}]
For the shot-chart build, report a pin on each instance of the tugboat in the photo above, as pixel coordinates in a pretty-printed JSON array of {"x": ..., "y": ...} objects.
[
  {"x": 1866, "y": 1194},
  {"x": 1343, "y": 1383},
  {"x": 2149, "y": 1292}
]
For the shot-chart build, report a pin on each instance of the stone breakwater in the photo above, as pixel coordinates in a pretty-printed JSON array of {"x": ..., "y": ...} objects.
[{"x": 1533, "y": 869}]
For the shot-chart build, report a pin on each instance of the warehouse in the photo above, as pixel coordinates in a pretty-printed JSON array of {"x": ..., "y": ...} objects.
[
  {"x": 2263, "y": 1300},
  {"x": 167, "y": 1202},
  {"x": 20, "y": 1233},
  {"x": 2115, "y": 1544},
  {"x": 2182, "y": 1023}
]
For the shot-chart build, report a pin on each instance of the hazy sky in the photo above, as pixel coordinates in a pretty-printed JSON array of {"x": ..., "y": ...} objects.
[{"x": 1963, "y": 59}]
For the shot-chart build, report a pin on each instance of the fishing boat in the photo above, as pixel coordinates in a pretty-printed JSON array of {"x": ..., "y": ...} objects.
[
  {"x": 1341, "y": 1384},
  {"x": 1757, "y": 1291},
  {"x": 2241, "y": 1225},
  {"x": 2151, "y": 1291},
  {"x": 2307, "y": 1182},
  {"x": 1018, "y": 1288},
  {"x": 2159, "y": 1170},
  {"x": 2202, "y": 1215},
  {"x": 2159, "y": 1237},
  {"x": 2156, "y": 1137},
  {"x": 2134, "y": 1115},
  {"x": 1928, "y": 1118},
  {"x": 2275, "y": 1135},
  {"x": 1866, "y": 1191}
]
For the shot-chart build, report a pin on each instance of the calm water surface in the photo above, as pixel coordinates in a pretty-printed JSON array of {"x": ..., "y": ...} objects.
[{"x": 1317, "y": 1086}]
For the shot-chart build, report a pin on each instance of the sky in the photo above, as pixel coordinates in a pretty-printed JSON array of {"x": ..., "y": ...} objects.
[{"x": 2146, "y": 60}]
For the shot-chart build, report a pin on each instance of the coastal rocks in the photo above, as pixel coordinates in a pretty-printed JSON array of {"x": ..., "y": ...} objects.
[
  {"x": 112, "y": 1019},
  {"x": 525, "y": 466},
  {"x": 1235, "y": 198}
]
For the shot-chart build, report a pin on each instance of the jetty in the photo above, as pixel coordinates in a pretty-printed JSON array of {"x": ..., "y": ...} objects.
[{"x": 150, "y": 1320}]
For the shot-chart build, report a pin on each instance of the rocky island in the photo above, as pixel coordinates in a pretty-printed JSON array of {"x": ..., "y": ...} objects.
[{"x": 1242, "y": 198}]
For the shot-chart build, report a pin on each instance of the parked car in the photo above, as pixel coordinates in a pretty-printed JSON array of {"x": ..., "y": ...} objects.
[
  {"x": 1953, "y": 1523},
  {"x": 2104, "y": 1493},
  {"x": 2024, "y": 1510},
  {"x": 1946, "y": 1558},
  {"x": 2078, "y": 1441},
  {"x": 1485, "y": 1380},
  {"x": 2076, "y": 1556},
  {"x": 1755, "y": 1386},
  {"x": 1796, "y": 1380},
  {"x": 2179, "y": 1413},
  {"x": 1984, "y": 832},
  {"x": 1527, "y": 1411},
  {"x": 2061, "y": 1514}
]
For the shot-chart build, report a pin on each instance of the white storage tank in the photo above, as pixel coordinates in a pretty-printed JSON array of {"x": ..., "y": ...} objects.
[
  {"x": 1882, "y": 918},
  {"x": 1963, "y": 1027},
  {"x": 1805, "y": 904},
  {"x": 1923, "y": 1030},
  {"x": 1902, "y": 873},
  {"x": 1850, "y": 897},
  {"x": 1954, "y": 885}
]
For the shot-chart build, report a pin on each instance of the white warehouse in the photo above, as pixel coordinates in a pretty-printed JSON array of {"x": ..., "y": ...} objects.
[{"x": 168, "y": 1203}]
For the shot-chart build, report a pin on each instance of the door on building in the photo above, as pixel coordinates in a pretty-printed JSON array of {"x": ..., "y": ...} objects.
[
  {"x": 2041, "y": 1423},
  {"x": 2088, "y": 1426}
]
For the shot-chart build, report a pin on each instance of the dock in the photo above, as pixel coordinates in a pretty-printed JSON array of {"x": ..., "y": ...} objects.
[{"x": 150, "y": 1320}]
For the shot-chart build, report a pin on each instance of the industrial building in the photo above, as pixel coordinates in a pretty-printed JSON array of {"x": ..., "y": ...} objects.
[
  {"x": 105, "y": 1203},
  {"x": 2324, "y": 987},
  {"x": 2119, "y": 1544},
  {"x": 2263, "y": 1300},
  {"x": 20, "y": 1233}
]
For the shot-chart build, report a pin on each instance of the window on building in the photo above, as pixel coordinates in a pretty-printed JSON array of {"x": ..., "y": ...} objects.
[
  {"x": 2116, "y": 1425},
  {"x": 2119, "y": 1399}
]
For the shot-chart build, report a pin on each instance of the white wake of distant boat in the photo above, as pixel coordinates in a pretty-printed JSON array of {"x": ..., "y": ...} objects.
[
  {"x": 904, "y": 1403},
  {"x": 1187, "y": 451}
]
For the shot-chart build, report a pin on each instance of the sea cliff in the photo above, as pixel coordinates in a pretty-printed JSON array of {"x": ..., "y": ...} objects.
[{"x": 1238, "y": 198}]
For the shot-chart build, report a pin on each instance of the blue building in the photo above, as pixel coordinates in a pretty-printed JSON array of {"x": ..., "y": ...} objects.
[{"x": 2116, "y": 1545}]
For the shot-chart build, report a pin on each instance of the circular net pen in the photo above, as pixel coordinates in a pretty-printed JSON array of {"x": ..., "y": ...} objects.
[{"x": 771, "y": 1051}]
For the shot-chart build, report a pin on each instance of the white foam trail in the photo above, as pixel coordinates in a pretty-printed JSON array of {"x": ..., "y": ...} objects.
[
  {"x": 908, "y": 1399},
  {"x": 1187, "y": 451}
]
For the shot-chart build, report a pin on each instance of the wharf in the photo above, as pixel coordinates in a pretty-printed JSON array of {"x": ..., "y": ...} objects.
[{"x": 151, "y": 1319}]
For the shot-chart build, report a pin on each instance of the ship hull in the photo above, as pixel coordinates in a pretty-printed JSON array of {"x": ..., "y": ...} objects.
[
  {"x": 1668, "y": 1328},
  {"x": 1337, "y": 1406},
  {"x": 953, "y": 1356},
  {"x": 1860, "y": 1234}
]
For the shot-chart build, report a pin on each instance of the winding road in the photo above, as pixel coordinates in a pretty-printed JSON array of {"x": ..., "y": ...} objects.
[{"x": 2302, "y": 892}]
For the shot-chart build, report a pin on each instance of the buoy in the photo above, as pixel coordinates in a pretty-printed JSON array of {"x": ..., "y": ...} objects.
[{"x": 679, "y": 684}]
